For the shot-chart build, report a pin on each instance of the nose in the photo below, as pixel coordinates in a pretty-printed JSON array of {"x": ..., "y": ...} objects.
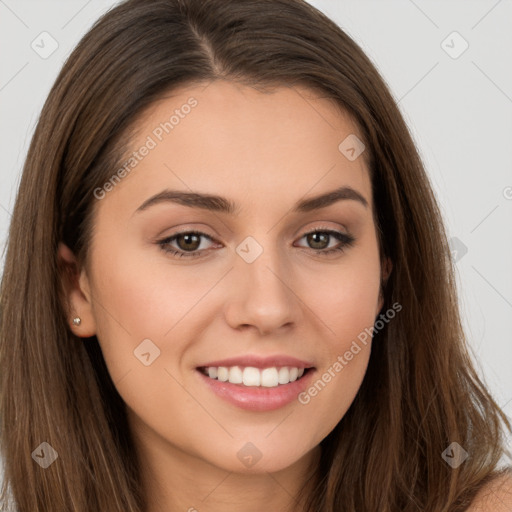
[{"x": 261, "y": 295}]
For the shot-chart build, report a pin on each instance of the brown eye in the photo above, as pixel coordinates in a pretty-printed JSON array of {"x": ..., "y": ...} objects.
[
  {"x": 188, "y": 241},
  {"x": 185, "y": 244},
  {"x": 318, "y": 239}
]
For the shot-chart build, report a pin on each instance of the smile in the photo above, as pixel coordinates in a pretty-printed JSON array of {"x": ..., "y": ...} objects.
[
  {"x": 254, "y": 377},
  {"x": 256, "y": 389}
]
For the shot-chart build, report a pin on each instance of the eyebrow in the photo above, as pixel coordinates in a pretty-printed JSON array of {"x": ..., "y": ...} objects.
[{"x": 220, "y": 204}]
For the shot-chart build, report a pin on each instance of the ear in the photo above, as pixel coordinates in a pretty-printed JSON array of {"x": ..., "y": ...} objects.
[
  {"x": 76, "y": 290},
  {"x": 386, "y": 268}
]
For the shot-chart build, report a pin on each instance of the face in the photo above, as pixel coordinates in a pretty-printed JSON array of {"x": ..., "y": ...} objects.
[{"x": 176, "y": 284}]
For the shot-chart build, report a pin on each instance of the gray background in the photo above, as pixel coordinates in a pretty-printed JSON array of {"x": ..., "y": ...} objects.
[{"x": 458, "y": 107}]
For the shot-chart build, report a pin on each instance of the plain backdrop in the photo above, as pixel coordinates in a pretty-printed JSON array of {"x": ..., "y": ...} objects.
[{"x": 448, "y": 65}]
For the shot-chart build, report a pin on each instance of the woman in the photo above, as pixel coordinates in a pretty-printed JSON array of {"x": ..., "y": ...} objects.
[{"x": 228, "y": 285}]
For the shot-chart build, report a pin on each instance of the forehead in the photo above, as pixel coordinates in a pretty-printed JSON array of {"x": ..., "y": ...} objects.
[{"x": 225, "y": 137}]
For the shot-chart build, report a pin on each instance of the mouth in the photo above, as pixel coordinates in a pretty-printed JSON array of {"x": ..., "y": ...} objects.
[
  {"x": 257, "y": 389},
  {"x": 250, "y": 376}
]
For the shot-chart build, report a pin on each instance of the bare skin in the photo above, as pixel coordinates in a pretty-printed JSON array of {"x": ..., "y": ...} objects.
[{"x": 265, "y": 152}]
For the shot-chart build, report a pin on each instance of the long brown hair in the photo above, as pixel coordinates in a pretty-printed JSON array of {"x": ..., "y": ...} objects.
[{"x": 421, "y": 391}]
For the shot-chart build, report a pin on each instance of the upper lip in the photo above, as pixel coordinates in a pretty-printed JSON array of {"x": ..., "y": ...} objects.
[{"x": 256, "y": 361}]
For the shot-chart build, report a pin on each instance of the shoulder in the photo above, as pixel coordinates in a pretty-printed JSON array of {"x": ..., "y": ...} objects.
[{"x": 496, "y": 496}]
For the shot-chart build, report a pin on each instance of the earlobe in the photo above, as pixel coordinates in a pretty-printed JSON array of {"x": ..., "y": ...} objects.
[{"x": 76, "y": 295}]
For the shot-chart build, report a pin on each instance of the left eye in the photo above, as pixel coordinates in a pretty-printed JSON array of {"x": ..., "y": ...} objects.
[
  {"x": 319, "y": 237},
  {"x": 189, "y": 242}
]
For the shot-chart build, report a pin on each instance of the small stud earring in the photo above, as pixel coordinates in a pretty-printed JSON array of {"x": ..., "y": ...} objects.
[{"x": 77, "y": 321}]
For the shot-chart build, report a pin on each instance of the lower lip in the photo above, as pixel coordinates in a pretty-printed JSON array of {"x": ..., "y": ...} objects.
[{"x": 253, "y": 398}]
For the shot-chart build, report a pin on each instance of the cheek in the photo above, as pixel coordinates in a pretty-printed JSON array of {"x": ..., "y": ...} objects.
[
  {"x": 140, "y": 315},
  {"x": 141, "y": 296},
  {"x": 130, "y": 306},
  {"x": 345, "y": 297},
  {"x": 141, "y": 292},
  {"x": 346, "y": 302}
]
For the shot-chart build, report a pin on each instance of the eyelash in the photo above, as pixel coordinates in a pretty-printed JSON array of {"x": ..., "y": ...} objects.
[{"x": 345, "y": 239}]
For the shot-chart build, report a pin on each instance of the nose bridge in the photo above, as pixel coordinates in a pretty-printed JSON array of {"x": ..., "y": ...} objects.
[
  {"x": 261, "y": 295},
  {"x": 262, "y": 273}
]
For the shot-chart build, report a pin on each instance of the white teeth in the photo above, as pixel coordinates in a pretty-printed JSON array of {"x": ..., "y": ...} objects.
[
  {"x": 222, "y": 373},
  {"x": 284, "y": 375},
  {"x": 269, "y": 377},
  {"x": 254, "y": 377},
  {"x": 235, "y": 375}
]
